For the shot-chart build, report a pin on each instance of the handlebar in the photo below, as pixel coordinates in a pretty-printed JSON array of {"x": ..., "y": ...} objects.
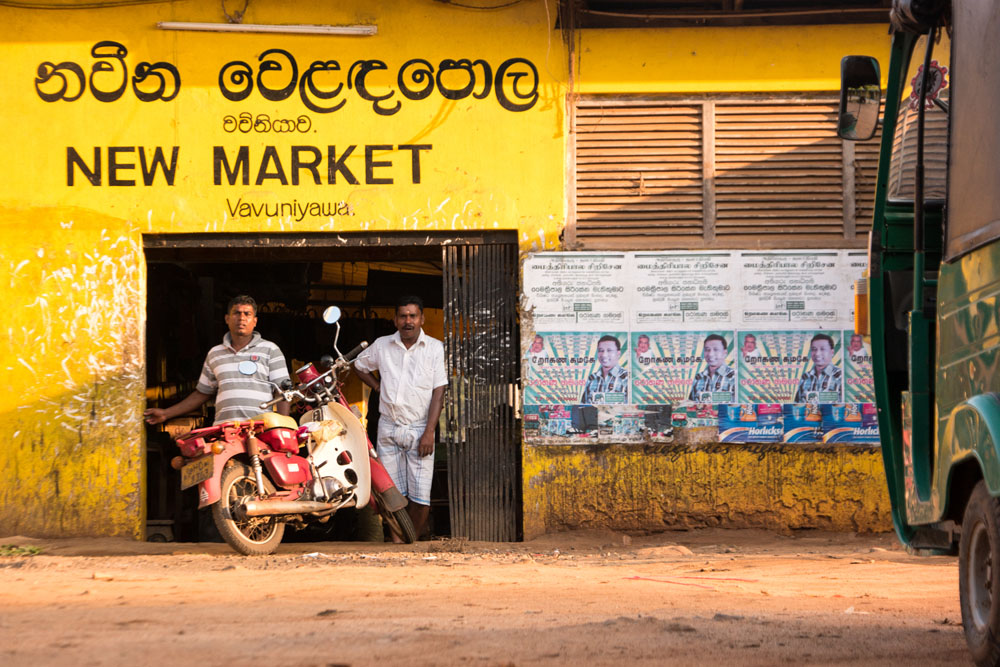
[
  {"x": 356, "y": 351},
  {"x": 290, "y": 394},
  {"x": 267, "y": 405}
]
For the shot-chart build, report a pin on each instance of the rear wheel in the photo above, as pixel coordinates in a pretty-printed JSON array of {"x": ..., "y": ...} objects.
[
  {"x": 250, "y": 536},
  {"x": 979, "y": 578}
]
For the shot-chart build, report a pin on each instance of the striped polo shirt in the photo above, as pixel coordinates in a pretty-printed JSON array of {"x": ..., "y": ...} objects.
[{"x": 239, "y": 380}]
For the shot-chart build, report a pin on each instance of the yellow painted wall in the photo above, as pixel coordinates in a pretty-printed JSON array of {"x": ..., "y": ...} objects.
[
  {"x": 74, "y": 294},
  {"x": 724, "y": 60},
  {"x": 72, "y": 343},
  {"x": 668, "y": 487}
]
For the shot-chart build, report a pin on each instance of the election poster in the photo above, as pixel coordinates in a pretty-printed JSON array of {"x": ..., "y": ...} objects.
[
  {"x": 577, "y": 368},
  {"x": 671, "y": 367},
  {"x": 577, "y": 291},
  {"x": 859, "y": 382},
  {"x": 639, "y": 346},
  {"x": 808, "y": 289},
  {"x": 681, "y": 291},
  {"x": 791, "y": 367}
]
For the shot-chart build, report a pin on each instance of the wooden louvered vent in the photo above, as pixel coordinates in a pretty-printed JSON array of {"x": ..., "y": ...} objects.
[
  {"x": 744, "y": 173},
  {"x": 778, "y": 170},
  {"x": 639, "y": 171},
  {"x": 865, "y": 174}
]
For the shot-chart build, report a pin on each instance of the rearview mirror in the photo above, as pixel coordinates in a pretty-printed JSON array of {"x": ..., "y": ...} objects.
[
  {"x": 860, "y": 98},
  {"x": 331, "y": 314}
]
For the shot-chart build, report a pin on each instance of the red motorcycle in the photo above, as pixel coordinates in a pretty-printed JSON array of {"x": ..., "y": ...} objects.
[{"x": 256, "y": 481}]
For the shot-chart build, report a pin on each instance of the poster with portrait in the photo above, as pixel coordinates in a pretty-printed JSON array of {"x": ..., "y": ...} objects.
[
  {"x": 577, "y": 368},
  {"x": 635, "y": 346},
  {"x": 682, "y": 290},
  {"x": 795, "y": 289},
  {"x": 790, "y": 367},
  {"x": 670, "y": 367},
  {"x": 859, "y": 381},
  {"x": 577, "y": 291}
]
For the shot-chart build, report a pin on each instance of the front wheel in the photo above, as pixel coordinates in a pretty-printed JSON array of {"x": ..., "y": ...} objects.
[
  {"x": 399, "y": 521},
  {"x": 250, "y": 536},
  {"x": 979, "y": 585}
]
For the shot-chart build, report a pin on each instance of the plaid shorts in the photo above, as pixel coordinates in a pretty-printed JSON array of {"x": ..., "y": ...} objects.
[{"x": 411, "y": 473}]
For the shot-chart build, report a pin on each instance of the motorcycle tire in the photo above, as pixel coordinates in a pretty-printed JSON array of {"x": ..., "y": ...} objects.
[
  {"x": 253, "y": 536},
  {"x": 399, "y": 522}
]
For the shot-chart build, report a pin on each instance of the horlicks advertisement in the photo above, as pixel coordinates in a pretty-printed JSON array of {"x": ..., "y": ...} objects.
[
  {"x": 849, "y": 422},
  {"x": 748, "y": 422}
]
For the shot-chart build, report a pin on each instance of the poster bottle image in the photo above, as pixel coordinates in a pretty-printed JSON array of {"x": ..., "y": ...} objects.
[
  {"x": 812, "y": 408},
  {"x": 747, "y": 413}
]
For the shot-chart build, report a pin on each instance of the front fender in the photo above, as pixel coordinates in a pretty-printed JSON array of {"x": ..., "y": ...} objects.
[
  {"x": 972, "y": 431},
  {"x": 333, "y": 441}
]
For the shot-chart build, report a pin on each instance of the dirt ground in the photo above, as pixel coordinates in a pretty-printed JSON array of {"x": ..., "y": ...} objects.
[{"x": 594, "y": 598}]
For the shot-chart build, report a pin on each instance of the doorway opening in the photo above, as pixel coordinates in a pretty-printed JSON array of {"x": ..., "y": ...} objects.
[{"x": 293, "y": 277}]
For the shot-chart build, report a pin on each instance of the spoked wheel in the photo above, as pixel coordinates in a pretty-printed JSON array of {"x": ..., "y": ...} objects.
[
  {"x": 250, "y": 536},
  {"x": 978, "y": 577},
  {"x": 399, "y": 521}
]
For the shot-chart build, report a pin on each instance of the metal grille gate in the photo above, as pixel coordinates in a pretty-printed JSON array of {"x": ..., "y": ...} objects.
[{"x": 482, "y": 346}]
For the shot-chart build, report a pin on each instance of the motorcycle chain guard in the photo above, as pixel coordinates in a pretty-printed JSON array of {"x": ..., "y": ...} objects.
[{"x": 336, "y": 431}]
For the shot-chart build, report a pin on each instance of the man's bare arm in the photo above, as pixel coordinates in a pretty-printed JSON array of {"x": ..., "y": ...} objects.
[
  {"x": 195, "y": 400},
  {"x": 368, "y": 379},
  {"x": 283, "y": 408},
  {"x": 426, "y": 446}
]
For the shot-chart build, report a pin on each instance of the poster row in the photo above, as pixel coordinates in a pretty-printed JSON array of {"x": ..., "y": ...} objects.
[
  {"x": 845, "y": 423},
  {"x": 676, "y": 291},
  {"x": 717, "y": 366}
]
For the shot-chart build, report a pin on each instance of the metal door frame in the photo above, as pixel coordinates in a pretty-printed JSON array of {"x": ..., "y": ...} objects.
[{"x": 482, "y": 347}]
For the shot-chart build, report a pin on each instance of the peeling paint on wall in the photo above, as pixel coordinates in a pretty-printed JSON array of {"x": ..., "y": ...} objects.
[
  {"x": 677, "y": 487},
  {"x": 70, "y": 408}
]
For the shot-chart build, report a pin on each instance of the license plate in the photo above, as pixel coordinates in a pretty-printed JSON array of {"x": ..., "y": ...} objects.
[{"x": 197, "y": 471}]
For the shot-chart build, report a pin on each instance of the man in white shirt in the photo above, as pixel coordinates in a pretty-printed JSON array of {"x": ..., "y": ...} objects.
[{"x": 411, "y": 386}]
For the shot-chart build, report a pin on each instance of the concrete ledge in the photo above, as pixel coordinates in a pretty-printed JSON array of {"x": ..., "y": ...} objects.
[{"x": 648, "y": 487}]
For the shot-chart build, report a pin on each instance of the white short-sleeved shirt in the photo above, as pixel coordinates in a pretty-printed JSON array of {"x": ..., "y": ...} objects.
[
  {"x": 408, "y": 376},
  {"x": 239, "y": 391}
]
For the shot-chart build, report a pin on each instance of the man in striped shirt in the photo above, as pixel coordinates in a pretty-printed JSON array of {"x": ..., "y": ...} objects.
[{"x": 237, "y": 372}]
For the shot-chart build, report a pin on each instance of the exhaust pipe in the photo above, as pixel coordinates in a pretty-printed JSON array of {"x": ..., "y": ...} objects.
[{"x": 272, "y": 507}]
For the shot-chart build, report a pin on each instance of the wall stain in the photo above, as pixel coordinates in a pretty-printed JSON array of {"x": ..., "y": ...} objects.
[{"x": 650, "y": 488}]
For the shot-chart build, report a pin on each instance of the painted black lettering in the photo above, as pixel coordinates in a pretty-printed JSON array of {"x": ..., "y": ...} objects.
[
  {"x": 333, "y": 165},
  {"x": 159, "y": 162},
  {"x": 312, "y": 165},
  {"x": 271, "y": 155},
  {"x": 415, "y": 157},
  {"x": 220, "y": 162},
  {"x": 114, "y": 166},
  {"x": 371, "y": 164},
  {"x": 73, "y": 159}
]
